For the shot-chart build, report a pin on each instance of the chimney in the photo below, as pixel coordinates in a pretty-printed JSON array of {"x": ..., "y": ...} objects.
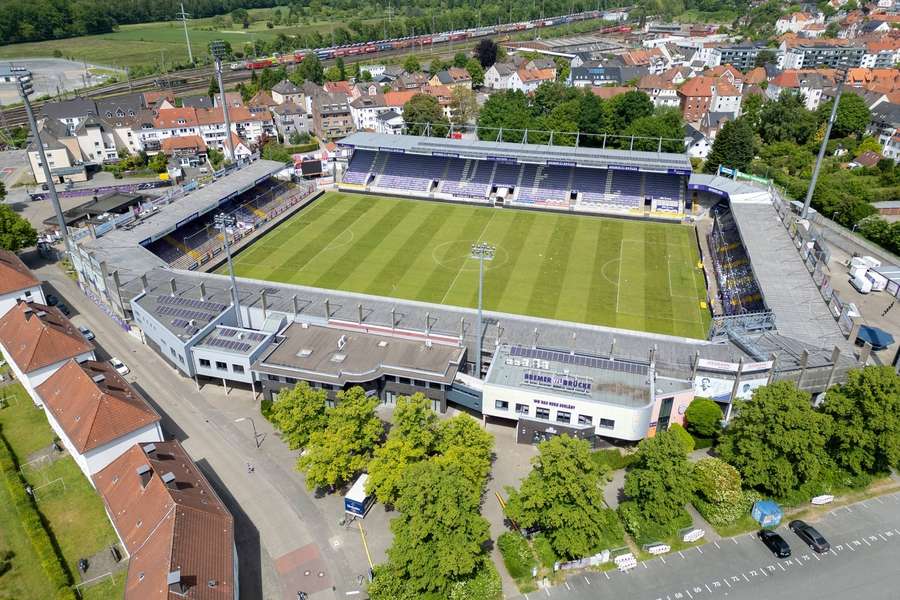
[
  {"x": 203, "y": 291},
  {"x": 144, "y": 473},
  {"x": 172, "y": 285},
  {"x": 144, "y": 282}
]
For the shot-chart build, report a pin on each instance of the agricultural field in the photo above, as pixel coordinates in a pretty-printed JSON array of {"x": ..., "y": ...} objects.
[{"x": 614, "y": 272}]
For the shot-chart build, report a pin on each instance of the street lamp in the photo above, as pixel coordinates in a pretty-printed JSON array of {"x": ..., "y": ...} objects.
[
  {"x": 217, "y": 48},
  {"x": 23, "y": 84},
  {"x": 223, "y": 222},
  {"x": 482, "y": 252},
  {"x": 253, "y": 424}
]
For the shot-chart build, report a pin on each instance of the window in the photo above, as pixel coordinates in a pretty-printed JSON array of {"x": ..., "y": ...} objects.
[
  {"x": 585, "y": 420},
  {"x": 563, "y": 417},
  {"x": 501, "y": 404},
  {"x": 172, "y": 351},
  {"x": 221, "y": 366},
  {"x": 418, "y": 383},
  {"x": 237, "y": 368},
  {"x": 542, "y": 413},
  {"x": 287, "y": 379},
  {"x": 521, "y": 409},
  {"x": 204, "y": 362},
  {"x": 273, "y": 377},
  {"x": 607, "y": 423},
  {"x": 404, "y": 380}
]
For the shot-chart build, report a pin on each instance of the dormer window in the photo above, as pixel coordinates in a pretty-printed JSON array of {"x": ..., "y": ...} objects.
[{"x": 181, "y": 121}]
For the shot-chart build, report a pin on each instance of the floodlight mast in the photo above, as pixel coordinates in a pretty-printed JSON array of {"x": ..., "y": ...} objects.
[
  {"x": 481, "y": 251},
  {"x": 217, "y": 48},
  {"x": 224, "y": 222}
]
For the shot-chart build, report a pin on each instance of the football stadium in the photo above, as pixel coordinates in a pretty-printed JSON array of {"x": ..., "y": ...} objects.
[{"x": 616, "y": 285}]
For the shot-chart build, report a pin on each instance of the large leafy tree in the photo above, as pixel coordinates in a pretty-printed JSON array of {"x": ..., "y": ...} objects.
[
  {"x": 660, "y": 480},
  {"x": 508, "y": 110},
  {"x": 298, "y": 412},
  {"x": 439, "y": 538},
  {"x": 703, "y": 417},
  {"x": 411, "y": 64},
  {"x": 462, "y": 441},
  {"x": 486, "y": 51},
  {"x": 852, "y": 116},
  {"x": 719, "y": 496},
  {"x": 777, "y": 440},
  {"x": 412, "y": 439},
  {"x": 733, "y": 147},
  {"x": 463, "y": 105},
  {"x": 311, "y": 69},
  {"x": 563, "y": 496},
  {"x": 630, "y": 106},
  {"x": 345, "y": 446},
  {"x": 663, "y": 130},
  {"x": 422, "y": 110},
  {"x": 476, "y": 72},
  {"x": 787, "y": 119},
  {"x": 866, "y": 411}
]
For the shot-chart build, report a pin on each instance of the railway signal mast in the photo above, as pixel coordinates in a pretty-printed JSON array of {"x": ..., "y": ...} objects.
[{"x": 184, "y": 17}]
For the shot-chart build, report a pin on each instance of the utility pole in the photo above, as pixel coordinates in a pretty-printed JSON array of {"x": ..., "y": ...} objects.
[
  {"x": 815, "y": 174},
  {"x": 223, "y": 222},
  {"x": 218, "y": 51},
  {"x": 184, "y": 16},
  {"x": 25, "y": 88},
  {"x": 482, "y": 252}
]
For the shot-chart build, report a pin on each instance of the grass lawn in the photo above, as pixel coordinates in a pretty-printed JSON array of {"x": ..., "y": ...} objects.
[
  {"x": 606, "y": 271},
  {"x": 24, "y": 424}
]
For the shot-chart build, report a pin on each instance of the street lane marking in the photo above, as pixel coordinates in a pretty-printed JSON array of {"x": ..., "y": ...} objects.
[
  {"x": 864, "y": 504},
  {"x": 568, "y": 587},
  {"x": 586, "y": 580},
  {"x": 662, "y": 559},
  {"x": 764, "y": 572},
  {"x": 690, "y": 595},
  {"x": 607, "y": 574},
  {"x": 707, "y": 589},
  {"x": 644, "y": 562},
  {"x": 726, "y": 582},
  {"x": 353, "y": 593},
  {"x": 782, "y": 567},
  {"x": 546, "y": 589},
  {"x": 817, "y": 557},
  {"x": 867, "y": 542},
  {"x": 734, "y": 540},
  {"x": 680, "y": 554},
  {"x": 883, "y": 539},
  {"x": 850, "y": 546},
  {"x": 717, "y": 545},
  {"x": 880, "y": 501},
  {"x": 699, "y": 550},
  {"x": 745, "y": 578}
]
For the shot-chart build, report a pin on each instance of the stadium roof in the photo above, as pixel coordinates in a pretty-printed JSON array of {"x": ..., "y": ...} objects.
[
  {"x": 787, "y": 287},
  {"x": 528, "y": 153}
]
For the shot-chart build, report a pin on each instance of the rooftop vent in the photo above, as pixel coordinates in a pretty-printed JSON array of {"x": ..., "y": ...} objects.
[
  {"x": 212, "y": 583},
  {"x": 337, "y": 357},
  {"x": 174, "y": 582},
  {"x": 41, "y": 313},
  {"x": 304, "y": 353},
  {"x": 382, "y": 344}
]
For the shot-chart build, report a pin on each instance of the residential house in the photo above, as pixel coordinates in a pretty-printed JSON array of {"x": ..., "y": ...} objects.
[
  {"x": 233, "y": 99},
  {"x": 338, "y": 87},
  {"x": 291, "y": 118},
  {"x": 331, "y": 115},
  {"x": 365, "y": 88},
  {"x": 610, "y": 91},
  {"x": 712, "y": 123},
  {"x": 373, "y": 70},
  {"x": 651, "y": 59},
  {"x": 663, "y": 93},
  {"x": 185, "y": 150},
  {"x": 96, "y": 414},
  {"x": 261, "y": 99},
  {"x": 595, "y": 74},
  {"x": 37, "y": 340},
  {"x": 796, "y": 22},
  {"x": 452, "y": 77},
  {"x": 696, "y": 96},
  {"x": 17, "y": 282},
  {"x": 389, "y": 122},
  {"x": 126, "y": 105},
  {"x": 498, "y": 75},
  {"x": 865, "y": 159},
  {"x": 410, "y": 81},
  {"x": 726, "y": 98},
  {"x": 696, "y": 144},
  {"x": 178, "y": 532},
  {"x": 286, "y": 92},
  {"x": 202, "y": 101},
  {"x": 242, "y": 150},
  {"x": 891, "y": 149},
  {"x": 96, "y": 141},
  {"x": 882, "y": 53},
  {"x": 885, "y": 124},
  {"x": 755, "y": 76},
  {"x": 813, "y": 56},
  {"x": 528, "y": 80},
  {"x": 809, "y": 84},
  {"x": 70, "y": 112},
  {"x": 742, "y": 56},
  {"x": 62, "y": 151},
  {"x": 365, "y": 111}
]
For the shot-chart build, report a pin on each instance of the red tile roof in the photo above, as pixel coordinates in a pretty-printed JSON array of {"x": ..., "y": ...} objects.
[
  {"x": 182, "y": 142},
  {"x": 527, "y": 75},
  {"x": 175, "y": 117},
  {"x": 14, "y": 275},
  {"x": 343, "y": 87},
  {"x": 237, "y": 114},
  {"x": 178, "y": 526},
  {"x": 787, "y": 79},
  {"x": 697, "y": 87},
  {"x": 399, "y": 98},
  {"x": 93, "y": 404},
  {"x": 37, "y": 336}
]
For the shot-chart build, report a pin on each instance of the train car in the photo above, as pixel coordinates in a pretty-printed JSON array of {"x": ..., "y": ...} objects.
[
  {"x": 383, "y": 46},
  {"x": 460, "y": 35},
  {"x": 237, "y": 66},
  {"x": 260, "y": 64},
  {"x": 440, "y": 38},
  {"x": 424, "y": 40},
  {"x": 325, "y": 53},
  {"x": 370, "y": 48}
]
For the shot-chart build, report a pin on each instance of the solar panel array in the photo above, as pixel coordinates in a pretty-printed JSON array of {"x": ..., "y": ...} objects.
[
  {"x": 185, "y": 313},
  {"x": 190, "y": 329},
  {"x": 213, "y": 307},
  {"x": 247, "y": 335},
  {"x": 579, "y": 360},
  {"x": 229, "y": 344}
]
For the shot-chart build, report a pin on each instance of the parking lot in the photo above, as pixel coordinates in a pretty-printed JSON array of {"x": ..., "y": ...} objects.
[{"x": 862, "y": 565}]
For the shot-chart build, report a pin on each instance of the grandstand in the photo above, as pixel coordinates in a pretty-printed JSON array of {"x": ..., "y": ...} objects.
[
  {"x": 577, "y": 179},
  {"x": 738, "y": 288}
]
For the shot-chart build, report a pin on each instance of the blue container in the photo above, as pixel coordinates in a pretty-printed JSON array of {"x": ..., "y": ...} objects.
[{"x": 767, "y": 513}]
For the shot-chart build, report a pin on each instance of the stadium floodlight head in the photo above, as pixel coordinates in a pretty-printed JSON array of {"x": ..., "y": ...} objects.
[
  {"x": 483, "y": 251},
  {"x": 217, "y": 48},
  {"x": 23, "y": 81},
  {"x": 225, "y": 221}
]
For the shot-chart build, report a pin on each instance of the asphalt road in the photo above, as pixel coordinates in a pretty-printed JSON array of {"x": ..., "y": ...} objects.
[
  {"x": 274, "y": 514},
  {"x": 864, "y": 564}
]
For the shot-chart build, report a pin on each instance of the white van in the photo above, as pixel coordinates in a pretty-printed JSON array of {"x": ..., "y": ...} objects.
[
  {"x": 879, "y": 281},
  {"x": 862, "y": 284}
]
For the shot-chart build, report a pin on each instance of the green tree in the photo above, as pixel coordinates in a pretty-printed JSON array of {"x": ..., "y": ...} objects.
[
  {"x": 703, "y": 417},
  {"x": 298, "y": 412},
  {"x": 659, "y": 482},
  {"x": 508, "y": 110},
  {"x": 486, "y": 51},
  {"x": 439, "y": 537},
  {"x": 158, "y": 162},
  {"x": 661, "y": 131},
  {"x": 719, "y": 496},
  {"x": 461, "y": 440},
  {"x": 765, "y": 57},
  {"x": 342, "y": 69},
  {"x": 683, "y": 436},
  {"x": 786, "y": 119},
  {"x": 16, "y": 232},
  {"x": 463, "y": 105},
  {"x": 563, "y": 496},
  {"x": 549, "y": 95},
  {"x": 421, "y": 110},
  {"x": 345, "y": 446},
  {"x": 777, "y": 440},
  {"x": 460, "y": 59},
  {"x": 436, "y": 66},
  {"x": 310, "y": 69},
  {"x": 733, "y": 147},
  {"x": 751, "y": 107},
  {"x": 411, "y": 64},
  {"x": 852, "y": 117},
  {"x": 866, "y": 414},
  {"x": 473, "y": 67},
  {"x": 213, "y": 88},
  {"x": 332, "y": 74},
  {"x": 630, "y": 106}
]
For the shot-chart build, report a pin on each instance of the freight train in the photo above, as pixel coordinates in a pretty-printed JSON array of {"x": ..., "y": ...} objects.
[{"x": 363, "y": 48}]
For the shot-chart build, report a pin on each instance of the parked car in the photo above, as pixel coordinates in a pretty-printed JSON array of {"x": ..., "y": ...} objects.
[
  {"x": 120, "y": 367},
  {"x": 775, "y": 543},
  {"x": 810, "y": 536},
  {"x": 87, "y": 333},
  {"x": 64, "y": 309},
  {"x": 52, "y": 300}
]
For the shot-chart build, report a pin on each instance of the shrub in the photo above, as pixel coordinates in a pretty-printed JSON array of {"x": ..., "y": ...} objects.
[
  {"x": 612, "y": 459},
  {"x": 517, "y": 554},
  {"x": 719, "y": 515},
  {"x": 702, "y": 417},
  {"x": 484, "y": 585},
  {"x": 645, "y": 531},
  {"x": 683, "y": 436},
  {"x": 544, "y": 550}
]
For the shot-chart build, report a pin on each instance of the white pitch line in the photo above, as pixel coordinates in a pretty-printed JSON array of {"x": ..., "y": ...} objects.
[
  {"x": 586, "y": 580},
  {"x": 619, "y": 278},
  {"x": 461, "y": 267}
]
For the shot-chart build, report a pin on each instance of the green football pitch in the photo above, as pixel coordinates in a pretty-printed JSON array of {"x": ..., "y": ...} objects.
[{"x": 605, "y": 271}]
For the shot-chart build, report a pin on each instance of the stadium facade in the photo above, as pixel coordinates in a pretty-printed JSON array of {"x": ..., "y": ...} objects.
[{"x": 548, "y": 376}]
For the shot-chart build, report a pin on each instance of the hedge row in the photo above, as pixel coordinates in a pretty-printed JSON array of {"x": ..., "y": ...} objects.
[{"x": 51, "y": 561}]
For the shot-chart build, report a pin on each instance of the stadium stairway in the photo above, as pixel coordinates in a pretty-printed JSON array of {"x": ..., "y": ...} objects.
[
  {"x": 608, "y": 189},
  {"x": 380, "y": 163},
  {"x": 258, "y": 212},
  {"x": 184, "y": 248}
]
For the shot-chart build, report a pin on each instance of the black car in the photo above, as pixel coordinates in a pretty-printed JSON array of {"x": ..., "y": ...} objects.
[
  {"x": 775, "y": 543},
  {"x": 810, "y": 536},
  {"x": 52, "y": 300}
]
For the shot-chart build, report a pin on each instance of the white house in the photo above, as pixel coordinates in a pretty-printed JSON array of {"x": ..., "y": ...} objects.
[
  {"x": 696, "y": 144},
  {"x": 390, "y": 122},
  {"x": 528, "y": 80},
  {"x": 37, "y": 340},
  {"x": 796, "y": 22},
  {"x": 97, "y": 415},
  {"x": 365, "y": 110},
  {"x": 17, "y": 282},
  {"x": 498, "y": 75}
]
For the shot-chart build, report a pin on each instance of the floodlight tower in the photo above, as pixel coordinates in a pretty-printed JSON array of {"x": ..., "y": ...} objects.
[
  {"x": 25, "y": 88},
  {"x": 481, "y": 251},
  {"x": 217, "y": 48},
  {"x": 224, "y": 222},
  {"x": 815, "y": 174}
]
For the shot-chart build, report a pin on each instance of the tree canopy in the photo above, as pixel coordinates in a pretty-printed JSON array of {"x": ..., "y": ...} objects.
[
  {"x": 563, "y": 496},
  {"x": 486, "y": 51},
  {"x": 852, "y": 118},
  {"x": 298, "y": 412},
  {"x": 733, "y": 147},
  {"x": 703, "y": 417},
  {"x": 421, "y": 110},
  {"x": 777, "y": 440}
]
